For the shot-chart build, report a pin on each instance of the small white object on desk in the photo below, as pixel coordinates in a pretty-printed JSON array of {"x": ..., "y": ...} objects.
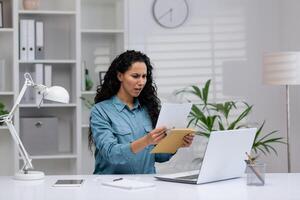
[
  {"x": 128, "y": 184},
  {"x": 68, "y": 183}
]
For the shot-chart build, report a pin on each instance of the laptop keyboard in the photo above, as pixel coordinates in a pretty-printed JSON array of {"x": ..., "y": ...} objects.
[{"x": 194, "y": 176}]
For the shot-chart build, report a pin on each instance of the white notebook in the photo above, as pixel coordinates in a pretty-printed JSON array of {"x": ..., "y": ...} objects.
[{"x": 128, "y": 184}]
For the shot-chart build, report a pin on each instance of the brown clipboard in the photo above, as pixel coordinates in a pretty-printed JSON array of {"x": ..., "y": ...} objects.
[{"x": 172, "y": 141}]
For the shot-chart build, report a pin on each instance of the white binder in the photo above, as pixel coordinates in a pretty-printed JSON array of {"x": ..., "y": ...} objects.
[
  {"x": 48, "y": 75},
  {"x": 83, "y": 66},
  {"x": 2, "y": 75},
  {"x": 39, "y": 30},
  {"x": 39, "y": 79},
  {"x": 31, "y": 39},
  {"x": 23, "y": 48}
]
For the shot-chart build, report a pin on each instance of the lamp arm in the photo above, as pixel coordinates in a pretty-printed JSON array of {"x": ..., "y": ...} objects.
[
  {"x": 28, "y": 82},
  {"x": 8, "y": 121},
  {"x": 25, "y": 156}
]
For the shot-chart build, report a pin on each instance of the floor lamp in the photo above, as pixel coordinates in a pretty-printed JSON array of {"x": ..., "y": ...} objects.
[{"x": 283, "y": 68}]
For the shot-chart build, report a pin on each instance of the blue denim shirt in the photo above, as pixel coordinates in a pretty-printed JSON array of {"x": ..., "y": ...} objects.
[{"x": 114, "y": 126}]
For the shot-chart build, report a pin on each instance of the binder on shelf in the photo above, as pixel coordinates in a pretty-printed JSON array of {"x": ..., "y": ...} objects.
[
  {"x": 1, "y": 15},
  {"x": 39, "y": 80},
  {"x": 39, "y": 33},
  {"x": 31, "y": 39},
  {"x": 83, "y": 65},
  {"x": 23, "y": 48},
  {"x": 48, "y": 75},
  {"x": 29, "y": 96},
  {"x": 2, "y": 75}
]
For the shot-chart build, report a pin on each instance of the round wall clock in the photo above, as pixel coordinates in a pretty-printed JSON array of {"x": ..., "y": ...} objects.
[{"x": 170, "y": 13}]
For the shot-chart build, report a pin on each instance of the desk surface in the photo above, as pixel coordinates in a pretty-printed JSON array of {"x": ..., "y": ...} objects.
[{"x": 278, "y": 186}]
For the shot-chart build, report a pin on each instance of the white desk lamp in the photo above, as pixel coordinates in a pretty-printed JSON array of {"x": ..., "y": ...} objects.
[
  {"x": 283, "y": 68},
  {"x": 54, "y": 93}
]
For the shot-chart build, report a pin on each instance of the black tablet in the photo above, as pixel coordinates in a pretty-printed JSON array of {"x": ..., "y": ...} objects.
[{"x": 68, "y": 182}]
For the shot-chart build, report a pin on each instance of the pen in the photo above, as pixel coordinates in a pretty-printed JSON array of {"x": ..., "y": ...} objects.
[
  {"x": 250, "y": 158},
  {"x": 118, "y": 179}
]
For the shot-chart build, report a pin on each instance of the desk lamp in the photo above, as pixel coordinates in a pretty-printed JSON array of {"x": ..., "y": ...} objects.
[
  {"x": 54, "y": 93},
  {"x": 283, "y": 68}
]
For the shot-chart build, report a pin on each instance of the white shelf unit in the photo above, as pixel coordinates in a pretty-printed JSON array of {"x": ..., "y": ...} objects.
[
  {"x": 53, "y": 157},
  {"x": 88, "y": 92},
  {"x": 93, "y": 31},
  {"x": 101, "y": 40},
  {"x": 49, "y": 105},
  {"x": 6, "y": 57},
  {"x": 6, "y": 30},
  {"x": 46, "y": 12},
  {"x": 7, "y": 95},
  {"x": 49, "y": 61},
  {"x": 3, "y": 128},
  {"x": 85, "y": 126},
  {"x": 60, "y": 31},
  {"x": 74, "y": 30}
]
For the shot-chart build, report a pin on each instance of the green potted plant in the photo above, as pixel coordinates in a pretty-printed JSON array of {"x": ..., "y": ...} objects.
[
  {"x": 2, "y": 112},
  {"x": 207, "y": 116}
]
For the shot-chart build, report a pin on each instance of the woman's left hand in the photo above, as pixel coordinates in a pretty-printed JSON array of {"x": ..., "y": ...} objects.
[{"x": 187, "y": 140}]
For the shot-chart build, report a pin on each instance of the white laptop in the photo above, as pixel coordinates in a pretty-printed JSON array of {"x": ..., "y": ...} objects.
[{"x": 223, "y": 159}]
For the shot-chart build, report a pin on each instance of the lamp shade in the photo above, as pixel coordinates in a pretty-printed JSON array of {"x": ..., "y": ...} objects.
[
  {"x": 57, "y": 93},
  {"x": 281, "y": 68}
]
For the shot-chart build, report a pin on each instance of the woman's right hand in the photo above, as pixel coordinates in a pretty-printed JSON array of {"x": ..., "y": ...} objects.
[
  {"x": 156, "y": 135},
  {"x": 152, "y": 137}
]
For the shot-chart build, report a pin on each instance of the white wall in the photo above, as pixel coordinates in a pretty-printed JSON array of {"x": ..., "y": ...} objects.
[{"x": 248, "y": 28}]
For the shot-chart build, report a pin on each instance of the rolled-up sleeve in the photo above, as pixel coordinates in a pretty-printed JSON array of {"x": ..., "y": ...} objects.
[{"x": 105, "y": 140}]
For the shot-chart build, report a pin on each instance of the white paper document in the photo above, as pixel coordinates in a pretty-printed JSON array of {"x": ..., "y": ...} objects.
[
  {"x": 174, "y": 115},
  {"x": 128, "y": 184}
]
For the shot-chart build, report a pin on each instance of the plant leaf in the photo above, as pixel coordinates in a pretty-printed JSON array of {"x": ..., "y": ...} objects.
[
  {"x": 205, "y": 91},
  {"x": 240, "y": 117}
]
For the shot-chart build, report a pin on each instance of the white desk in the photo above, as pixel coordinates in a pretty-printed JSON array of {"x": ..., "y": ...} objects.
[{"x": 278, "y": 186}]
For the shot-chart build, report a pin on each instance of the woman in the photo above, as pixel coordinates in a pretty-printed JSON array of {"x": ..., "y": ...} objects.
[{"x": 122, "y": 120}]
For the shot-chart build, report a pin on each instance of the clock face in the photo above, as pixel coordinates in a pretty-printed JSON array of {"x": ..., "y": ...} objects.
[{"x": 170, "y": 13}]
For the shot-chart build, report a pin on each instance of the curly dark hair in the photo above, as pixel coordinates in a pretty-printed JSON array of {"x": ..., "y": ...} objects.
[{"x": 111, "y": 85}]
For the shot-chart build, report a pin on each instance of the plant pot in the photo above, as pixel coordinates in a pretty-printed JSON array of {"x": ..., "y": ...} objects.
[{"x": 31, "y": 4}]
